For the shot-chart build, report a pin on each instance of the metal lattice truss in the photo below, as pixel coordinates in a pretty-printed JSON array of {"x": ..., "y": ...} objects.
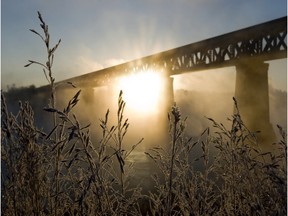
[
  {"x": 264, "y": 42},
  {"x": 267, "y": 41}
]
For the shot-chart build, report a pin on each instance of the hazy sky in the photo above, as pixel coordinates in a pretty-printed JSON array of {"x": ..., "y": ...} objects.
[{"x": 101, "y": 33}]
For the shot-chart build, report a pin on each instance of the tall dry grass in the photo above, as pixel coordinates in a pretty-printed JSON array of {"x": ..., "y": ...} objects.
[
  {"x": 237, "y": 177},
  {"x": 63, "y": 172}
]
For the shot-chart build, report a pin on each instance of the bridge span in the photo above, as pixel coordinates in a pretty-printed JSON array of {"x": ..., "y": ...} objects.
[
  {"x": 263, "y": 42},
  {"x": 246, "y": 49}
]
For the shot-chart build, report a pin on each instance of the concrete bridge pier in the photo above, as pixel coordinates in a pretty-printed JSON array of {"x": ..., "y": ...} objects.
[
  {"x": 87, "y": 95},
  {"x": 84, "y": 110},
  {"x": 252, "y": 95},
  {"x": 167, "y": 101},
  {"x": 168, "y": 93}
]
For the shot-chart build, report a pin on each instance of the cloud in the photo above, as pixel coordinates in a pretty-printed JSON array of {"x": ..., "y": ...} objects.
[
  {"x": 113, "y": 61},
  {"x": 88, "y": 64}
]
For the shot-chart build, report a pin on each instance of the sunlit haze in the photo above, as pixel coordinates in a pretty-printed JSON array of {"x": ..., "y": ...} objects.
[
  {"x": 99, "y": 34},
  {"x": 158, "y": 107},
  {"x": 142, "y": 91}
]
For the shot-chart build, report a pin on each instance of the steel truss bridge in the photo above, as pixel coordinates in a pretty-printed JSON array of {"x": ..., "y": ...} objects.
[
  {"x": 266, "y": 41},
  {"x": 246, "y": 49}
]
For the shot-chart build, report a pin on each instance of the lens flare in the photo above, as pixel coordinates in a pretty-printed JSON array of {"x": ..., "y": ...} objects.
[{"x": 142, "y": 91}]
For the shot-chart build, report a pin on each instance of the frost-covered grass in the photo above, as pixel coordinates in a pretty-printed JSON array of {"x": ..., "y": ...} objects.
[{"x": 62, "y": 171}]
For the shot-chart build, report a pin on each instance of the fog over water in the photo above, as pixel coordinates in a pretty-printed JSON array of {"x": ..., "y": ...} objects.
[
  {"x": 213, "y": 100},
  {"x": 196, "y": 105},
  {"x": 198, "y": 95}
]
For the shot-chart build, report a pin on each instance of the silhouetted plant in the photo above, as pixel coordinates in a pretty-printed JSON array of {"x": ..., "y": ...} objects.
[
  {"x": 64, "y": 172},
  {"x": 224, "y": 185},
  {"x": 77, "y": 175},
  {"x": 24, "y": 165},
  {"x": 47, "y": 69}
]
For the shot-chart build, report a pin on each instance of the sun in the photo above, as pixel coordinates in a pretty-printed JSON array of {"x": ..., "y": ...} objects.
[{"x": 142, "y": 91}]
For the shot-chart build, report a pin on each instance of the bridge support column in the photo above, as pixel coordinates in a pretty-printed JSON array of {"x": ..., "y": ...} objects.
[
  {"x": 88, "y": 95},
  {"x": 85, "y": 108},
  {"x": 168, "y": 93},
  {"x": 252, "y": 95},
  {"x": 166, "y": 104}
]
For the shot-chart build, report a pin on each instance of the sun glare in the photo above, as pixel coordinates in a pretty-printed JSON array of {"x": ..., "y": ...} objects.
[{"x": 142, "y": 91}]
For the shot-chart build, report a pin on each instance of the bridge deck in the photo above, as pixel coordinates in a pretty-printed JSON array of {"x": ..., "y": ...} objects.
[{"x": 266, "y": 41}]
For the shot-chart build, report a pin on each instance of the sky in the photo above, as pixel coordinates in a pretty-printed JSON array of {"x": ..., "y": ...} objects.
[{"x": 97, "y": 34}]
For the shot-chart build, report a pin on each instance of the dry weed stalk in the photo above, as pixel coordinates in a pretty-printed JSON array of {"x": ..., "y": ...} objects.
[
  {"x": 77, "y": 176},
  {"x": 224, "y": 185},
  {"x": 64, "y": 172}
]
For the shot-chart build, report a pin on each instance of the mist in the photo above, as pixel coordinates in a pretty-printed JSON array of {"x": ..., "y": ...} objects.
[
  {"x": 198, "y": 95},
  {"x": 209, "y": 94}
]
